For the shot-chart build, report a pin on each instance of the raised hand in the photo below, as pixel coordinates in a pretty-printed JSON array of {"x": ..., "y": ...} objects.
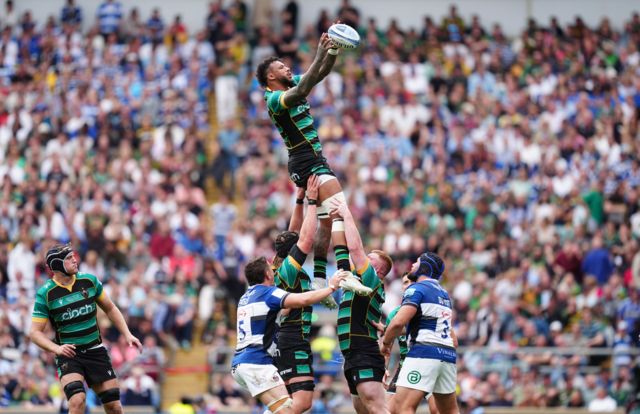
[
  {"x": 338, "y": 207},
  {"x": 313, "y": 184}
]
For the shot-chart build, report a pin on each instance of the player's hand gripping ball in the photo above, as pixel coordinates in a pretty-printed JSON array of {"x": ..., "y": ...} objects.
[{"x": 344, "y": 36}]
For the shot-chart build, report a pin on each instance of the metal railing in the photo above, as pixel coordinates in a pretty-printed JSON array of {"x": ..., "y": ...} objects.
[{"x": 220, "y": 357}]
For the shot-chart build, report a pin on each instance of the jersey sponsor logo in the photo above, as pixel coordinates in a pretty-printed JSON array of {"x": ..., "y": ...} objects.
[
  {"x": 408, "y": 292},
  {"x": 74, "y": 313},
  {"x": 245, "y": 298},
  {"x": 294, "y": 177},
  {"x": 444, "y": 302},
  {"x": 414, "y": 377}
]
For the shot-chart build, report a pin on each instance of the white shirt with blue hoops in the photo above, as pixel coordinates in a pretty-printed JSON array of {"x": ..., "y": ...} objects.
[
  {"x": 258, "y": 311},
  {"x": 429, "y": 331}
]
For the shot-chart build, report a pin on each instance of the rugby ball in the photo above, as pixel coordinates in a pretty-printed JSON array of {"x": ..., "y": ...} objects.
[{"x": 344, "y": 36}]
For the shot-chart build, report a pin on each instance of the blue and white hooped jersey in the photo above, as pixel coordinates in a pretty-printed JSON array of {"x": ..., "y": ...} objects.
[
  {"x": 257, "y": 323},
  {"x": 429, "y": 330}
]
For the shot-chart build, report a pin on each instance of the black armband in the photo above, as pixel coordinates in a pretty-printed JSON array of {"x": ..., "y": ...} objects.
[
  {"x": 312, "y": 202},
  {"x": 299, "y": 200}
]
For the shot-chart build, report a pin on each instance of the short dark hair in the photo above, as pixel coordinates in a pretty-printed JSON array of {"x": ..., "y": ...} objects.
[
  {"x": 263, "y": 68},
  {"x": 255, "y": 270}
]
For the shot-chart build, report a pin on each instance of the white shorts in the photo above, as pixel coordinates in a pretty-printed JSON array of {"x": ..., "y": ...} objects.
[
  {"x": 323, "y": 209},
  {"x": 256, "y": 378},
  {"x": 428, "y": 375}
]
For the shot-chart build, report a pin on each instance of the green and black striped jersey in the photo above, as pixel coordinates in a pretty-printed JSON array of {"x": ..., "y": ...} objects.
[
  {"x": 294, "y": 123},
  {"x": 402, "y": 339},
  {"x": 291, "y": 277},
  {"x": 356, "y": 314},
  {"x": 71, "y": 310}
]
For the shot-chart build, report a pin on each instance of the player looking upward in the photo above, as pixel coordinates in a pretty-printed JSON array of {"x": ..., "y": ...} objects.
[
  {"x": 68, "y": 302},
  {"x": 430, "y": 364},
  {"x": 407, "y": 280},
  {"x": 364, "y": 365}
]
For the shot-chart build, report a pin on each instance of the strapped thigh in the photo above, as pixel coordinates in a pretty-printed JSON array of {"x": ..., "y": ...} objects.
[
  {"x": 279, "y": 403},
  {"x": 73, "y": 388}
]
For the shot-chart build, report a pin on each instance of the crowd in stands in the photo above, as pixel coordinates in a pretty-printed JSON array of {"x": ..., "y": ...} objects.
[{"x": 515, "y": 158}]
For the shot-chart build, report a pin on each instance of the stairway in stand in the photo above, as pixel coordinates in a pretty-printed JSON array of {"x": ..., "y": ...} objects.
[{"x": 188, "y": 374}]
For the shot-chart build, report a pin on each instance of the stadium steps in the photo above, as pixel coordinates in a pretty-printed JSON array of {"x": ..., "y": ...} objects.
[
  {"x": 212, "y": 148},
  {"x": 188, "y": 373}
]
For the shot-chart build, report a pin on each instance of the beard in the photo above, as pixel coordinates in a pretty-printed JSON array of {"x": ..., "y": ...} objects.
[{"x": 287, "y": 82}]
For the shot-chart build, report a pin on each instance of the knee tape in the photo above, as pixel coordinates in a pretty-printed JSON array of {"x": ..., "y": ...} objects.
[
  {"x": 323, "y": 209},
  {"x": 278, "y": 404},
  {"x": 110, "y": 395},
  {"x": 301, "y": 386},
  {"x": 73, "y": 388}
]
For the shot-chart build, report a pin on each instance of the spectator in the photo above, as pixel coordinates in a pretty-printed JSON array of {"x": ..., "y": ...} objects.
[
  {"x": 597, "y": 261},
  {"x": 139, "y": 389},
  {"x": 109, "y": 17},
  {"x": 71, "y": 14},
  {"x": 155, "y": 26},
  {"x": 603, "y": 402}
]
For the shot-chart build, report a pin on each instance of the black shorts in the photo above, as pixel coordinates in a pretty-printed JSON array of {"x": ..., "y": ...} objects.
[
  {"x": 294, "y": 361},
  {"x": 362, "y": 367},
  {"x": 93, "y": 364},
  {"x": 303, "y": 166}
]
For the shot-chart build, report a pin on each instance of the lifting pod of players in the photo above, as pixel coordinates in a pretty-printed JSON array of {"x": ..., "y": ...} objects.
[{"x": 273, "y": 360}]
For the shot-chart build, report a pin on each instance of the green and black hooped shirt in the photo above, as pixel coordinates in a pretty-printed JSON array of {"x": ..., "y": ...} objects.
[
  {"x": 71, "y": 310},
  {"x": 356, "y": 314},
  {"x": 299, "y": 133},
  {"x": 291, "y": 277},
  {"x": 402, "y": 339}
]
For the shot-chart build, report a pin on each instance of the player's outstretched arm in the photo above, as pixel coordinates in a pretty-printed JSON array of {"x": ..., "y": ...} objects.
[
  {"x": 39, "y": 338},
  {"x": 396, "y": 326},
  {"x": 328, "y": 62},
  {"x": 310, "y": 223},
  {"x": 300, "y": 300},
  {"x": 298, "y": 211},
  {"x": 354, "y": 242},
  {"x": 115, "y": 316},
  {"x": 311, "y": 77}
]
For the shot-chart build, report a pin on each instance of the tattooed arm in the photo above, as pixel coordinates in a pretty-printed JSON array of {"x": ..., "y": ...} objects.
[{"x": 311, "y": 76}]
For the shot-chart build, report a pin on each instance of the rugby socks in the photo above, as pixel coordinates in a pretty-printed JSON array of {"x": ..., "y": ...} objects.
[
  {"x": 342, "y": 257},
  {"x": 320, "y": 267},
  {"x": 341, "y": 250}
]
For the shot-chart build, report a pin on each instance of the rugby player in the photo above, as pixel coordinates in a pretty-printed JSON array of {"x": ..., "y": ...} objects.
[
  {"x": 430, "y": 364},
  {"x": 358, "y": 318},
  {"x": 252, "y": 365},
  {"x": 286, "y": 100},
  {"x": 407, "y": 280},
  {"x": 293, "y": 358},
  {"x": 68, "y": 302}
]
